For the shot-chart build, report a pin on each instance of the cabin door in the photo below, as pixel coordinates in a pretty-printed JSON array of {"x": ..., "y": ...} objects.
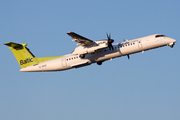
[
  {"x": 63, "y": 62},
  {"x": 139, "y": 44}
]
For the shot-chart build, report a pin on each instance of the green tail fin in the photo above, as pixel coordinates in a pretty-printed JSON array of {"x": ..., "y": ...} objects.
[{"x": 22, "y": 53}]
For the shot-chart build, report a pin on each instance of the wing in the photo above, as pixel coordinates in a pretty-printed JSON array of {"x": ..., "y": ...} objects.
[{"x": 80, "y": 39}]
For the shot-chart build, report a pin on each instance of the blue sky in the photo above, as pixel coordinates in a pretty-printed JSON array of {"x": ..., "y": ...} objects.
[{"x": 145, "y": 87}]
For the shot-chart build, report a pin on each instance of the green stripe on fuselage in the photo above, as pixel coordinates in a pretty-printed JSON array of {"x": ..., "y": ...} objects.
[{"x": 43, "y": 59}]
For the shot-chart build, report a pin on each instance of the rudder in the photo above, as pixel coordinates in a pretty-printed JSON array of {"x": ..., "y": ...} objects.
[{"x": 22, "y": 54}]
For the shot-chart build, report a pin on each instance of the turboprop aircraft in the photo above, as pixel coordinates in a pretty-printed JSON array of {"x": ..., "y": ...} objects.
[{"x": 87, "y": 52}]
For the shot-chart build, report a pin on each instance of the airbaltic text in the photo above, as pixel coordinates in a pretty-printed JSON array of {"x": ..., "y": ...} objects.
[{"x": 28, "y": 60}]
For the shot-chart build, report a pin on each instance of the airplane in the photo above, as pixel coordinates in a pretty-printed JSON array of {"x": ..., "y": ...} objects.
[{"x": 87, "y": 52}]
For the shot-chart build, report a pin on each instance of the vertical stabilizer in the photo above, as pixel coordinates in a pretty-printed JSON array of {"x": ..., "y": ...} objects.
[{"x": 22, "y": 53}]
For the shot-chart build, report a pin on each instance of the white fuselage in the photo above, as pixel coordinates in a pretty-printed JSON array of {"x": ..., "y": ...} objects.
[{"x": 120, "y": 49}]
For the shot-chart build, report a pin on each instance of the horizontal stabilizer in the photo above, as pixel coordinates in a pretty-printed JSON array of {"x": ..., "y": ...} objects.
[{"x": 14, "y": 45}]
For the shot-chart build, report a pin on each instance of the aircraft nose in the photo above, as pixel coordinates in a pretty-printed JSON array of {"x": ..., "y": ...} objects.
[{"x": 174, "y": 40}]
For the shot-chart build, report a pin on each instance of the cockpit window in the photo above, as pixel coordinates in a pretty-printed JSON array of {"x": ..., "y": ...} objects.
[{"x": 160, "y": 36}]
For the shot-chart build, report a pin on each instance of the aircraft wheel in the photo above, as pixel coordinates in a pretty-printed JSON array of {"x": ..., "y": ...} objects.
[{"x": 99, "y": 63}]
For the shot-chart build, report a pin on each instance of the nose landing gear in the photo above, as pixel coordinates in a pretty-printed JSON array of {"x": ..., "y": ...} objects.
[{"x": 171, "y": 45}]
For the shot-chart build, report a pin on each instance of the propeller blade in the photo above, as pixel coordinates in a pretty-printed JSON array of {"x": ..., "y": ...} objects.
[
  {"x": 110, "y": 41},
  {"x": 128, "y": 56},
  {"x": 108, "y": 36}
]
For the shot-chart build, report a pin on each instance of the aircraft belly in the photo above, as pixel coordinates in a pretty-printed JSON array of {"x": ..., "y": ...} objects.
[
  {"x": 148, "y": 45},
  {"x": 80, "y": 64},
  {"x": 108, "y": 56},
  {"x": 129, "y": 50}
]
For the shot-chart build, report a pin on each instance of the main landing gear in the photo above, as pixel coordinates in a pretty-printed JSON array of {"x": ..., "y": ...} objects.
[{"x": 99, "y": 63}]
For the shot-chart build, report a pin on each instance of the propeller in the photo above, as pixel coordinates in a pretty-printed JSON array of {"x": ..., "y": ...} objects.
[
  {"x": 110, "y": 41},
  {"x": 128, "y": 56}
]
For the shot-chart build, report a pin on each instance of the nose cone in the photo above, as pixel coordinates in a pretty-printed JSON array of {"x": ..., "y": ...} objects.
[
  {"x": 110, "y": 40},
  {"x": 174, "y": 40},
  {"x": 171, "y": 40}
]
